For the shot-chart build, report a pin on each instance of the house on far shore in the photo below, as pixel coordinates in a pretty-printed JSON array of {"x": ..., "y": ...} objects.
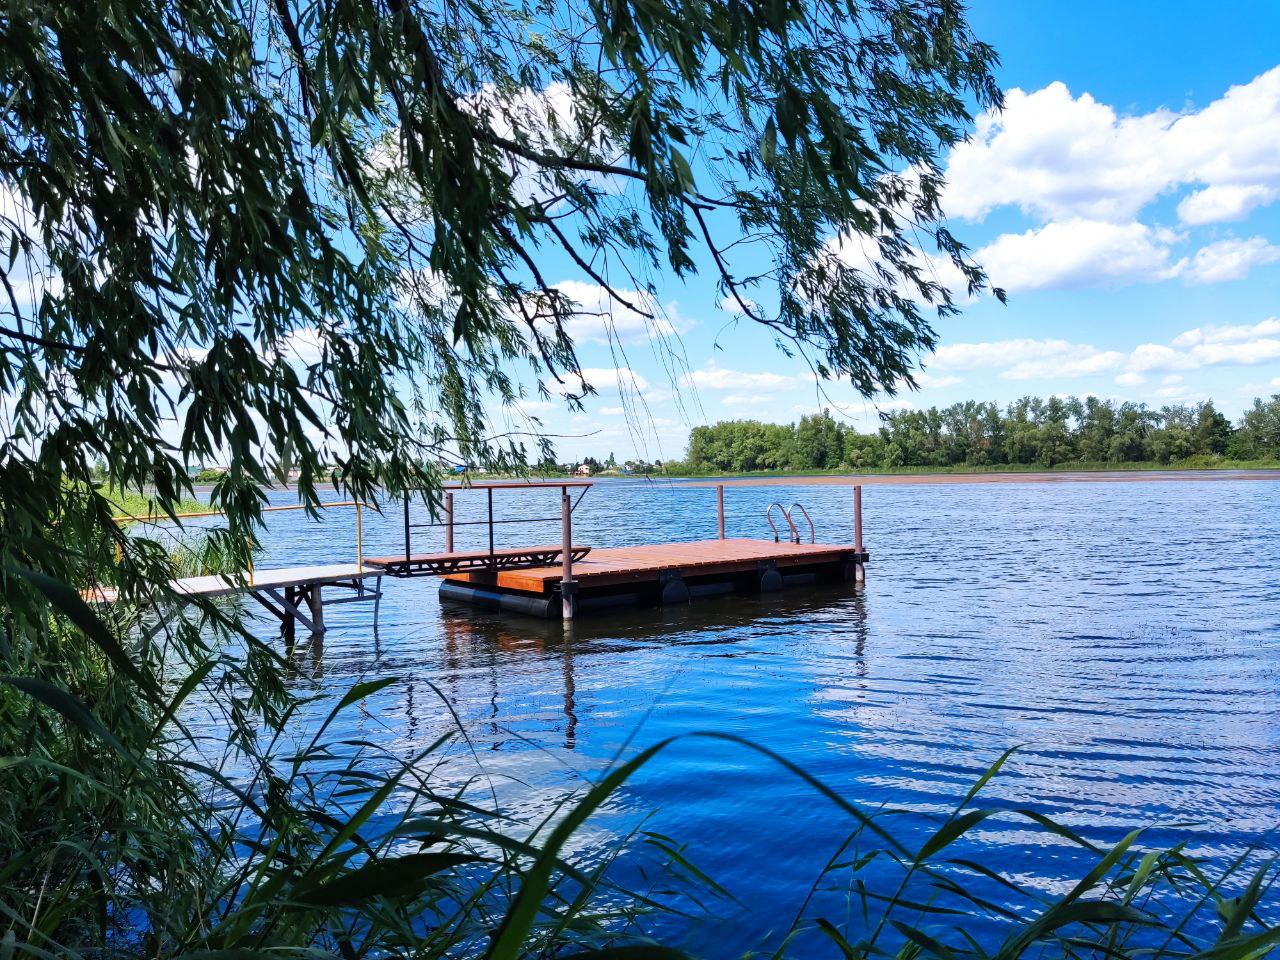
[{"x": 584, "y": 470}]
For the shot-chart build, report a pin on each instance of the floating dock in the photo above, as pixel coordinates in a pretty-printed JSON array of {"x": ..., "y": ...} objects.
[
  {"x": 550, "y": 580},
  {"x": 662, "y": 573},
  {"x": 561, "y": 581}
]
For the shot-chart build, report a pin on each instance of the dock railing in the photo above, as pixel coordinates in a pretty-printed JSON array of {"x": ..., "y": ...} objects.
[
  {"x": 567, "y": 505},
  {"x": 197, "y": 514}
]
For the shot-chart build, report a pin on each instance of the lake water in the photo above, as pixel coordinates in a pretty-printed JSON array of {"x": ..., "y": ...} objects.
[{"x": 1125, "y": 635}]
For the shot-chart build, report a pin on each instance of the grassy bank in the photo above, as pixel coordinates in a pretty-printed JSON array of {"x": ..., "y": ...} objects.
[{"x": 132, "y": 503}]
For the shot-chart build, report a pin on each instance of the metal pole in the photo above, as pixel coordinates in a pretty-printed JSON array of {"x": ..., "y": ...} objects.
[
  {"x": 857, "y": 518},
  {"x": 720, "y": 509},
  {"x": 448, "y": 523},
  {"x": 492, "y": 561},
  {"x": 859, "y": 567},
  {"x": 359, "y": 542},
  {"x": 567, "y": 586},
  {"x": 406, "y": 529}
]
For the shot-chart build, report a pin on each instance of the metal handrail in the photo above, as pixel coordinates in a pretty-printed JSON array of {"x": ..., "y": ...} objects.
[
  {"x": 777, "y": 538},
  {"x": 813, "y": 536},
  {"x": 450, "y": 523},
  {"x": 192, "y": 514}
]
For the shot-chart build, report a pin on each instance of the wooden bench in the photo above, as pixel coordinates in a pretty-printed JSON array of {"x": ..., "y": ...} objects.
[{"x": 439, "y": 564}]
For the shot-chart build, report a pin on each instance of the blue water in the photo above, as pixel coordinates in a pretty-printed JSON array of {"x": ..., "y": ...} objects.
[{"x": 1126, "y": 636}]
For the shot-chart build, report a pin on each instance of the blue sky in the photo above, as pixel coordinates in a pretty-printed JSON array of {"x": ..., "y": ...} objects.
[{"x": 1128, "y": 199}]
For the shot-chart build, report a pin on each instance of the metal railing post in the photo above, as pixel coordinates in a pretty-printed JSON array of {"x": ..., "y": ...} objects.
[
  {"x": 406, "y": 529},
  {"x": 857, "y": 518},
  {"x": 859, "y": 566},
  {"x": 492, "y": 561},
  {"x": 448, "y": 523},
  {"x": 567, "y": 585},
  {"x": 720, "y": 509}
]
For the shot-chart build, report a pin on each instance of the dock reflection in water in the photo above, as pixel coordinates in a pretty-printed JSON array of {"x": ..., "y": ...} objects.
[{"x": 1127, "y": 635}]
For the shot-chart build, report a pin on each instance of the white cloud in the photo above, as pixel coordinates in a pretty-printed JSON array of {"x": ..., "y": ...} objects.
[
  {"x": 731, "y": 305},
  {"x": 713, "y": 377},
  {"x": 745, "y": 400},
  {"x": 1056, "y": 156},
  {"x": 1079, "y": 253},
  {"x": 928, "y": 381},
  {"x": 600, "y": 318},
  {"x": 1228, "y": 260},
  {"x": 622, "y": 379},
  {"x": 1224, "y": 203},
  {"x": 1028, "y": 359},
  {"x": 1228, "y": 333}
]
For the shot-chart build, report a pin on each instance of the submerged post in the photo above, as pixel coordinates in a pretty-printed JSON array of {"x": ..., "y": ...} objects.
[
  {"x": 567, "y": 584},
  {"x": 448, "y": 523},
  {"x": 720, "y": 509},
  {"x": 859, "y": 568}
]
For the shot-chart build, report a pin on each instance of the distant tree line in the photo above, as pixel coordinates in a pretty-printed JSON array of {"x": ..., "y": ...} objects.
[{"x": 1030, "y": 431}]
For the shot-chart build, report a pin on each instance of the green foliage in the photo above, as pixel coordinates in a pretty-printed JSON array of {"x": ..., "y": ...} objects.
[
  {"x": 1029, "y": 432},
  {"x": 312, "y": 241}
]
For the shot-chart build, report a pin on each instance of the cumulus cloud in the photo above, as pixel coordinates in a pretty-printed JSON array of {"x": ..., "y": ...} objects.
[
  {"x": 1224, "y": 203},
  {"x": 1228, "y": 260},
  {"x": 600, "y": 318},
  {"x": 1028, "y": 359},
  {"x": 1059, "y": 156},
  {"x": 1049, "y": 359},
  {"x": 929, "y": 381},
  {"x": 1083, "y": 173},
  {"x": 714, "y": 377},
  {"x": 1228, "y": 333},
  {"x": 1079, "y": 253}
]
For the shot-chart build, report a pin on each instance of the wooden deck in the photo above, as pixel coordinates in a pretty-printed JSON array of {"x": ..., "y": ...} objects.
[{"x": 616, "y": 566}]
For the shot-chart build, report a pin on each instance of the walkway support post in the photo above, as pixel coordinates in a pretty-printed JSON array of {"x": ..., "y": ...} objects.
[
  {"x": 567, "y": 585},
  {"x": 859, "y": 568},
  {"x": 720, "y": 509},
  {"x": 317, "y": 609},
  {"x": 448, "y": 523}
]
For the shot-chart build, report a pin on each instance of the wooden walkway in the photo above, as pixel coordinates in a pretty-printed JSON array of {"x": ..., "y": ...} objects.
[
  {"x": 289, "y": 593},
  {"x": 440, "y": 564}
]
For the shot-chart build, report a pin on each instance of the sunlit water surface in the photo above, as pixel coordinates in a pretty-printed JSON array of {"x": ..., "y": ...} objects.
[{"x": 1125, "y": 635}]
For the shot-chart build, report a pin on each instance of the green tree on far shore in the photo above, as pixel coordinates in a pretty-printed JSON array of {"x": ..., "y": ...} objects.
[{"x": 1028, "y": 432}]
